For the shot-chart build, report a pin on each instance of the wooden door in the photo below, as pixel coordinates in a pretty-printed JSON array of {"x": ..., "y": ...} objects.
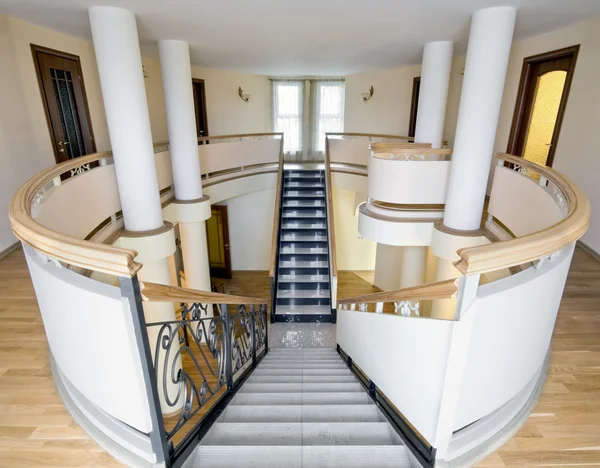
[
  {"x": 414, "y": 106},
  {"x": 541, "y": 103},
  {"x": 200, "y": 108},
  {"x": 63, "y": 95},
  {"x": 217, "y": 234}
]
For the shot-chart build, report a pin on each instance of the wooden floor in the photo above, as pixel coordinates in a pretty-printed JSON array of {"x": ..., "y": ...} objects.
[{"x": 36, "y": 431}]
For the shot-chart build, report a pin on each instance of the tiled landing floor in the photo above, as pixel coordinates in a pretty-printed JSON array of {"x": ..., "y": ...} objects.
[{"x": 302, "y": 335}]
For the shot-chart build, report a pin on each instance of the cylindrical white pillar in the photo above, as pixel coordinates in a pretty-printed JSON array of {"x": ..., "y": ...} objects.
[
  {"x": 114, "y": 32},
  {"x": 485, "y": 72},
  {"x": 412, "y": 266},
  {"x": 433, "y": 94},
  {"x": 181, "y": 119},
  {"x": 194, "y": 249}
]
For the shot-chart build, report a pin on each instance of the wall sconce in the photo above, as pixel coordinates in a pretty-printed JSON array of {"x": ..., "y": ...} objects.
[
  {"x": 243, "y": 97},
  {"x": 369, "y": 95},
  {"x": 144, "y": 72}
]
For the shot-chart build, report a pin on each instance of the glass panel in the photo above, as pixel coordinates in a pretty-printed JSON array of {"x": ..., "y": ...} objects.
[
  {"x": 64, "y": 94},
  {"x": 287, "y": 113},
  {"x": 546, "y": 103},
  {"x": 330, "y": 111}
]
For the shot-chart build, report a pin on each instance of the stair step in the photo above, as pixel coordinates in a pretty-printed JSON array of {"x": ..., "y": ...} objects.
[
  {"x": 301, "y": 378},
  {"x": 316, "y": 365},
  {"x": 298, "y": 413},
  {"x": 287, "y": 309},
  {"x": 303, "y": 250},
  {"x": 320, "y": 194},
  {"x": 224, "y": 456},
  {"x": 308, "y": 226},
  {"x": 300, "y": 387},
  {"x": 303, "y": 264},
  {"x": 319, "y": 203},
  {"x": 269, "y": 434},
  {"x": 357, "y": 456},
  {"x": 303, "y": 293},
  {"x": 300, "y": 371},
  {"x": 303, "y": 238},
  {"x": 350, "y": 398},
  {"x": 303, "y": 278}
]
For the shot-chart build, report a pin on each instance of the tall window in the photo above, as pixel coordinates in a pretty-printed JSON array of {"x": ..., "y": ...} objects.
[
  {"x": 304, "y": 110},
  {"x": 328, "y": 111},
  {"x": 287, "y": 113}
]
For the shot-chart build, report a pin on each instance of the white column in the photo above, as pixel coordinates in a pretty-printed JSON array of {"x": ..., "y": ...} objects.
[
  {"x": 433, "y": 94},
  {"x": 181, "y": 120},
  {"x": 114, "y": 32},
  {"x": 412, "y": 266},
  {"x": 116, "y": 43},
  {"x": 485, "y": 72}
]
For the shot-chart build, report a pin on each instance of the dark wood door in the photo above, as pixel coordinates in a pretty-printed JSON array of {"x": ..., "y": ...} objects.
[
  {"x": 200, "y": 108},
  {"x": 63, "y": 94},
  {"x": 217, "y": 234},
  {"x": 541, "y": 103},
  {"x": 414, "y": 106}
]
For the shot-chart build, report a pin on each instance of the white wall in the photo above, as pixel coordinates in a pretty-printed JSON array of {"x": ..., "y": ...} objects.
[
  {"x": 387, "y": 267},
  {"x": 352, "y": 252},
  {"x": 250, "y": 229},
  {"x": 577, "y": 150}
]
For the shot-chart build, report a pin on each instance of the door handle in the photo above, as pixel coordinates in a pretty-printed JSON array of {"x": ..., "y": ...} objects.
[{"x": 226, "y": 246}]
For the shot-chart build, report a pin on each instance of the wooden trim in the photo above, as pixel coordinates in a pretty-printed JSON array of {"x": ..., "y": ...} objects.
[
  {"x": 407, "y": 207},
  {"x": 528, "y": 248},
  {"x": 152, "y": 292},
  {"x": 275, "y": 232},
  {"x": 414, "y": 106},
  {"x": 10, "y": 249},
  {"x": 528, "y": 63},
  {"x": 45, "y": 50},
  {"x": 441, "y": 290},
  {"x": 439, "y": 226},
  {"x": 330, "y": 217},
  {"x": 363, "y": 208},
  {"x": 240, "y": 135},
  {"x": 166, "y": 227},
  {"x": 373, "y": 135}
]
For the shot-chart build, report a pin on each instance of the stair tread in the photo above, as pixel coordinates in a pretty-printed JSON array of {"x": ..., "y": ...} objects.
[
  {"x": 358, "y": 456},
  {"x": 303, "y": 264},
  {"x": 315, "y": 398},
  {"x": 302, "y": 238},
  {"x": 301, "y": 413},
  {"x": 303, "y": 293}
]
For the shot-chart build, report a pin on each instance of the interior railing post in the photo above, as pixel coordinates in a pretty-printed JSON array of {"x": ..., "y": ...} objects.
[
  {"x": 228, "y": 348},
  {"x": 130, "y": 290},
  {"x": 253, "y": 324},
  {"x": 266, "y": 328}
]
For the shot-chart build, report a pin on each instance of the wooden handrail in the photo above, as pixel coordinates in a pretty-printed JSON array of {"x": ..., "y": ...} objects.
[
  {"x": 506, "y": 254},
  {"x": 441, "y": 290},
  {"x": 78, "y": 252},
  {"x": 275, "y": 233},
  {"x": 152, "y": 292},
  {"x": 373, "y": 135},
  {"x": 398, "y": 146},
  {"x": 240, "y": 135},
  {"x": 330, "y": 210}
]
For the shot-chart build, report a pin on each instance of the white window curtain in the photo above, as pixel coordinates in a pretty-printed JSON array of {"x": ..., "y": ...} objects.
[
  {"x": 304, "y": 110},
  {"x": 287, "y": 113}
]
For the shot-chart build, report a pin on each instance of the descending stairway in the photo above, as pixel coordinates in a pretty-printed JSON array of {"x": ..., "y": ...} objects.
[
  {"x": 303, "y": 293},
  {"x": 301, "y": 408}
]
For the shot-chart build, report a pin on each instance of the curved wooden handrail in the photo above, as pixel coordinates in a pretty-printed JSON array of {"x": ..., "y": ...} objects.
[
  {"x": 152, "y": 292},
  {"x": 275, "y": 233},
  {"x": 240, "y": 135},
  {"x": 441, "y": 290},
  {"x": 329, "y": 195},
  {"x": 506, "y": 254},
  {"x": 78, "y": 252},
  {"x": 372, "y": 135}
]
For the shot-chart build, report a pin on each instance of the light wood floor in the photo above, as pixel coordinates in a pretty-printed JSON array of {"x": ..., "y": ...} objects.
[{"x": 563, "y": 430}]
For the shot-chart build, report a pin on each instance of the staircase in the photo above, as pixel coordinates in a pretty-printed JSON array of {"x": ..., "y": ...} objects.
[
  {"x": 301, "y": 408},
  {"x": 302, "y": 293}
]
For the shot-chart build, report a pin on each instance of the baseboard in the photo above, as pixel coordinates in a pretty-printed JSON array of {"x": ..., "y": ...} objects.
[
  {"x": 10, "y": 249},
  {"x": 587, "y": 248}
]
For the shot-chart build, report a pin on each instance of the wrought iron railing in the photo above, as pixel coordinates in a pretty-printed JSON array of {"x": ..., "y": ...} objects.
[{"x": 199, "y": 363}]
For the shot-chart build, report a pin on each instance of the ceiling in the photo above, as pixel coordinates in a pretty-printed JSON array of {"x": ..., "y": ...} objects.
[{"x": 303, "y": 37}]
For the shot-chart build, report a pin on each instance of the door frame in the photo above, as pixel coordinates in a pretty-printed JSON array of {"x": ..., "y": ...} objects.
[
  {"x": 35, "y": 49},
  {"x": 520, "y": 104},
  {"x": 200, "y": 81},
  {"x": 226, "y": 244}
]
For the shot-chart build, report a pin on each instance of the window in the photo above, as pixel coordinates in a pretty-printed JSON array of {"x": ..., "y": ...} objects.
[
  {"x": 293, "y": 113},
  {"x": 329, "y": 111},
  {"x": 287, "y": 113}
]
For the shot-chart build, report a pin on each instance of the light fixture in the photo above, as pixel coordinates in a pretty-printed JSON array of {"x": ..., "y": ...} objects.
[
  {"x": 369, "y": 95},
  {"x": 243, "y": 97},
  {"x": 145, "y": 73}
]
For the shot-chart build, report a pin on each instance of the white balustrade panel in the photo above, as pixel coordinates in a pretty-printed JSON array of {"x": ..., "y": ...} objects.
[
  {"x": 405, "y": 357},
  {"x": 164, "y": 171},
  {"x": 349, "y": 151},
  {"x": 77, "y": 206},
  {"x": 513, "y": 319},
  {"x": 408, "y": 182},
  {"x": 521, "y": 204},
  {"x": 222, "y": 156},
  {"x": 90, "y": 335}
]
